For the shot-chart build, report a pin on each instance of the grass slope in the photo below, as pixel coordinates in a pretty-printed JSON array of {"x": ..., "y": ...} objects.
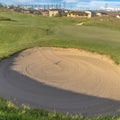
[{"x": 20, "y": 31}]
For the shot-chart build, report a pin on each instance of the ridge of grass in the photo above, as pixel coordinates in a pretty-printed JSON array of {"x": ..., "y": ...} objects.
[{"x": 9, "y": 111}]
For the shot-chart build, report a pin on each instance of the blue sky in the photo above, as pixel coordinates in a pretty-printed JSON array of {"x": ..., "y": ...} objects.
[{"x": 74, "y": 4}]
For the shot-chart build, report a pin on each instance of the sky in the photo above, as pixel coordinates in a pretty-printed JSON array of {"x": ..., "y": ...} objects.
[{"x": 71, "y": 4}]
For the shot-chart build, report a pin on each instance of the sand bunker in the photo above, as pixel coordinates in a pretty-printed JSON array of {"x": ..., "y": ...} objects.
[
  {"x": 71, "y": 69},
  {"x": 67, "y": 80}
]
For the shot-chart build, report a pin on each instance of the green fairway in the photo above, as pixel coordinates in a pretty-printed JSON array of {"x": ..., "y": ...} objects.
[{"x": 21, "y": 31}]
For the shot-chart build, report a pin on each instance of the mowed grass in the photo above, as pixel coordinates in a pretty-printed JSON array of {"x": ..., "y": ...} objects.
[
  {"x": 9, "y": 111},
  {"x": 20, "y": 31}
]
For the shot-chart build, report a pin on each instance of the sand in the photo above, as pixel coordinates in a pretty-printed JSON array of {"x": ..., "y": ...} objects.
[{"x": 72, "y": 70}]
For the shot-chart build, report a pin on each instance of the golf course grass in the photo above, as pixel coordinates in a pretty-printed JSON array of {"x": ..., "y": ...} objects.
[
  {"x": 21, "y": 31},
  {"x": 8, "y": 111}
]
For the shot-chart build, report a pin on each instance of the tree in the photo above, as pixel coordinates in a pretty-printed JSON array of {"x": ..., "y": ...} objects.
[{"x": 1, "y": 5}]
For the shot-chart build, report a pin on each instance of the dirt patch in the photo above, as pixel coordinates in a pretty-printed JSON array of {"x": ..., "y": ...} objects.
[{"x": 80, "y": 24}]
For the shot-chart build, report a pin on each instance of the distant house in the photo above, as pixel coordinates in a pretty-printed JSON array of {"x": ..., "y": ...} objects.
[
  {"x": 118, "y": 16},
  {"x": 36, "y": 12},
  {"x": 55, "y": 12},
  {"x": 26, "y": 10},
  {"x": 89, "y": 14},
  {"x": 45, "y": 13},
  {"x": 81, "y": 14},
  {"x": 101, "y": 14}
]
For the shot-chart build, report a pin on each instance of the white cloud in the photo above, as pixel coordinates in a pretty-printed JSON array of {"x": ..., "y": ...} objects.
[
  {"x": 70, "y": 1},
  {"x": 75, "y": 4},
  {"x": 94, "y": 4},
  {"x": 24, "y": 1}
]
